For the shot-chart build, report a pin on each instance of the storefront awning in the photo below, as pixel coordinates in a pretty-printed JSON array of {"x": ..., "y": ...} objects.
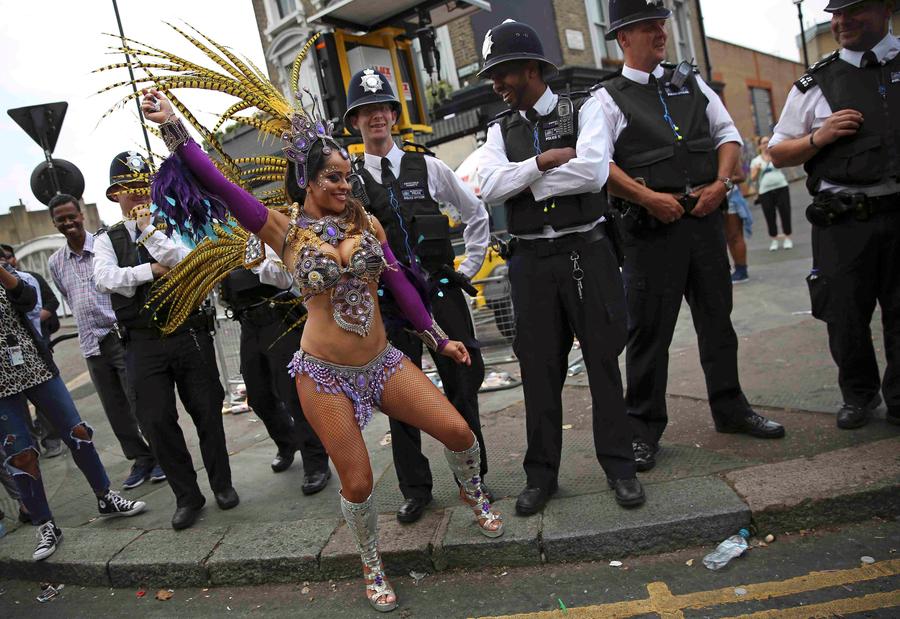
[{"x": 365, "y": 15}]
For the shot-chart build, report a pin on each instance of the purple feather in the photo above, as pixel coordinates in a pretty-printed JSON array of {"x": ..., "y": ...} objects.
[{"x": 186, "y": 206}]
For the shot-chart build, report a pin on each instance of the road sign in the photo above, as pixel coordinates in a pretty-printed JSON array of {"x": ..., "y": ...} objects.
[
  {"x": 56, "y": 176},
  {"x": 42, "y": 122}
]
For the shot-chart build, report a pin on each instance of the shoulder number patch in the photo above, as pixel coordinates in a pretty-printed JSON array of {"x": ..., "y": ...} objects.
[{"x": 805, "y": 82}]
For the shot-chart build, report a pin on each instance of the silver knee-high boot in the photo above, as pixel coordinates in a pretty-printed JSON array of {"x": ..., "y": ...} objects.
[
  {"x": 362, "y": 521},
  {"x": 466, "y": 466}
]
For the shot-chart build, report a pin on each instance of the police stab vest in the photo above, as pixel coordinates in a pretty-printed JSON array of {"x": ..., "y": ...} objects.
[
  {"x": 130, "y": 311},
  {"x": 523, "y": 141},
  {"x": 414, "y": 225},
  {"x": 872, "y": 155},
  {"x": 649, "y": 148}
]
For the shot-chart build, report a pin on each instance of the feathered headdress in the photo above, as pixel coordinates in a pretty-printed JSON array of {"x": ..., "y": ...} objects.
[{"x": 261, "y": 105}]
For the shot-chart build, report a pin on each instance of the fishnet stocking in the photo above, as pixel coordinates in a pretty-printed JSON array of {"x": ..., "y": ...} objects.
[
  {"x": 331, "y": 416},
  {"x": 409, "y": 396}
]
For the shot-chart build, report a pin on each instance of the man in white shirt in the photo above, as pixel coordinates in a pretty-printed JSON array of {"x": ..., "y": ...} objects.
[
  {"x": 403, "y": 190},
  {"x": 127, "y": 259},
  {"x": 673, "y": 149},
  {"x": 840, "y": 121},
  {"x": 547, "y": 158}
]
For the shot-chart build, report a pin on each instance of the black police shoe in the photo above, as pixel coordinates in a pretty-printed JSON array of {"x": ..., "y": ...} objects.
[
  {"x": 412, "y": 509},
  {"x": 753, "y": 425},
  {"x": 893, "y": 415},
  {"x": 629, "y": 492},
  {"x": 533, "y": 499},
  {"x": 186, "y": 516},
  {"x": 283, "y": 460},
  {"x": 228, "y": 498},
  {"x": 644, "y": 454},
  {"x": 852, "y": 416},
  {"x": 315, "y": 482}
]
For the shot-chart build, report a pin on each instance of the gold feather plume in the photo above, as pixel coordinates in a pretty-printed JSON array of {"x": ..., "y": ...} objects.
[{"x": 263, "y": 106}]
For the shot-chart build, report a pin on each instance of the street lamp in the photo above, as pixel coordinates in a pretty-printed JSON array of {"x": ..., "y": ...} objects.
[{"x": 799, "y": 4}]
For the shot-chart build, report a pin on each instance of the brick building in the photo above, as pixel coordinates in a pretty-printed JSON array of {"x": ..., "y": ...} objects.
[{"x": 755, "y": 85}]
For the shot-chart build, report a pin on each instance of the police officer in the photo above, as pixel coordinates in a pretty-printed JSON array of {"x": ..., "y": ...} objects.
[
  {"x": 261, "y": 300},
  {"x": 674, "y": 147},
  {"x": 403, "y": 189},
  {"x": 842, "y": 121},
  {"x": 127, "y": 260},
  {"x": 547, "y": 159}
]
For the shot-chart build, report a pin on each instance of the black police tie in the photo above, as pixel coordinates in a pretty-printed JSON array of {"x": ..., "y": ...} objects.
[
  {"x": 143, "y": 255},
  {"x": 387, "y": 180},
  {"x": 869, "y": 59},
  {"x": 387, "y": 175},
  {"x": 532, "y": 116}
]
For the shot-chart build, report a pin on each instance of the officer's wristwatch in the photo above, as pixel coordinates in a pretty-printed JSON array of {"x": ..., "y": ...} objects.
[{"x": 729, "y": 184}]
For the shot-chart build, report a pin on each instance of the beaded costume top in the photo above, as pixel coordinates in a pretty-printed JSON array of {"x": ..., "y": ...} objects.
[{"x": 317, "y": 270}]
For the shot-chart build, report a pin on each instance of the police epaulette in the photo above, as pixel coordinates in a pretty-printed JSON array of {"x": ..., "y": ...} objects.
[
  {"x": 500, "y": 116},
  {"x": 808, "y": 80},
  {"x": 413, "y": 147}
]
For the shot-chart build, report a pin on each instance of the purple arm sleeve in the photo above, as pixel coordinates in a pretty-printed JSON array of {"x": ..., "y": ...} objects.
[
  {"x": 408, "y": 299},
  {"x": 246, "y": 209}
]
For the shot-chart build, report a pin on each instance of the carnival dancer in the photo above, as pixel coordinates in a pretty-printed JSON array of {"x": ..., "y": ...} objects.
[
  {"x": 345, "y": 366},
  {"x": 403, "y": 189},
  {"x": 841, "y": 121}
]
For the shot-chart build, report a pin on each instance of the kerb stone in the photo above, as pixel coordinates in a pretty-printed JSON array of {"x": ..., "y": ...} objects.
[
  {"x": 464, "y": 546},
  {"x": 404, "y": 547},
  {"x": 81, "y": 557},
  {"x": 264, "y": 553},
  {"x": 677, "y": 514},
  {"x": 165, "y": 557}
]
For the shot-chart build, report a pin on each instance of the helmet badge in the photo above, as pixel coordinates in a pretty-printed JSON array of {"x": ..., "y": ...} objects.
[{"x": 371, "y": 81}]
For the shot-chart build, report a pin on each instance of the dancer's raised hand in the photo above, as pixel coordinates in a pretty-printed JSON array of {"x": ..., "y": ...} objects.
[{"x": 155, "y": 106}]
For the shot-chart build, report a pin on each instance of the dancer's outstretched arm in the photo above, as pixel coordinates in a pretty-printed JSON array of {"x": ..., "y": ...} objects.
[{"x": 269, "y": 225}]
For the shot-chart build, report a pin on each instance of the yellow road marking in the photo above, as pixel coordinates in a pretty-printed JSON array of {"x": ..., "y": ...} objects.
[
  {"x": 78, "y": 381},
  {"x": 861, "y": 604},
  {"x": 664, "y": 603}
]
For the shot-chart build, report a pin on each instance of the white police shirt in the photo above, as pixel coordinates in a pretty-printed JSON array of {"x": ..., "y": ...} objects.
[
  {"x": 587, "y": 172},
  {"x": 805, "y": 111}
]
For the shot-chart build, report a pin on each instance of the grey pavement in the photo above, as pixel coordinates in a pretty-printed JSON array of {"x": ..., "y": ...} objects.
[{"x": 705, "y": 486}]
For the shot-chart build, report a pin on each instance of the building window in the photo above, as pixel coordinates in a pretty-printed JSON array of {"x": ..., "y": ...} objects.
[
  {"x": 681, "y": 16},
  {"x": 599, "y": 24},
  {"x": 763, "y": 116},
  {"x": 285, "y": 8}
]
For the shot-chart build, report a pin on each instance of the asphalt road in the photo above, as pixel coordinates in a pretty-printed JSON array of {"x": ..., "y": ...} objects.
[{"x": 804, "y": 575}]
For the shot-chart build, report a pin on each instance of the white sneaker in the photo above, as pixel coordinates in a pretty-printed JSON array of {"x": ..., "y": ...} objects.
[
  {"x": 49, "y": 535},
  {"x": 114, "y": 504},
  {"x": 788, "y": 244},
  {"x": 774, "y": 245}
]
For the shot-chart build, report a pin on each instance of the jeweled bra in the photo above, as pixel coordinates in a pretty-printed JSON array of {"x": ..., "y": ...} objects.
[{"x": 316, "y": 271}]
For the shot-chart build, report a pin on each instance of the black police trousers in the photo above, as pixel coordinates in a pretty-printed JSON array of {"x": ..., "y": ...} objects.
[
  {"x": 461, "y": 384},
  {"x": 855, "y": 265},
  {"x": 549, "y": 312},
  {"x": 266, "y": 351},
  {"x": 685, "y": 259},
  {"x": 155, "y": 367}
]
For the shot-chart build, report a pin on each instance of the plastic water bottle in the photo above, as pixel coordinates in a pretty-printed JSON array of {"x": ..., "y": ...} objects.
[{"x": 732, "y": 547}]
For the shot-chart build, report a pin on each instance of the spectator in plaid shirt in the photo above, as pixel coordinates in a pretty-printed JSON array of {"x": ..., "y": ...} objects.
[{"x": 72, "y": 270}]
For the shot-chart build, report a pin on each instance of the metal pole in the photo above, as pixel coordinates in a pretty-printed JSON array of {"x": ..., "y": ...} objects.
[
  {"x": 137, "y": 100},
  {"x": 802, "y": 31}
]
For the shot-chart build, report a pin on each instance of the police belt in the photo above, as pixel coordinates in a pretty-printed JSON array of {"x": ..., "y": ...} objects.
[
  {"x": 196, "y": 322},
  {"x": 559, "y": 245},
  {"x": 830, "y": 208},
  {"x": 265, "y": 310}
]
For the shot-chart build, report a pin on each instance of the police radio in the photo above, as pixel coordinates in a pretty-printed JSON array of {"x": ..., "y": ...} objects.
[
  {"x": 566, "y": 113},
  {"x": 358, "y": 189},
  {"x": 682, "y": 72}
]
